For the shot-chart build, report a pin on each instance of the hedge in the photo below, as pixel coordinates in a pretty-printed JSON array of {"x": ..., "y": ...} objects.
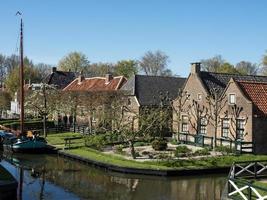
[{"x": 29, "y": 125}]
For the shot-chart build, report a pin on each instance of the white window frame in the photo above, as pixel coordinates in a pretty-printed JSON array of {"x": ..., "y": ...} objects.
[
  {"x": 185, "y": 124},
  {"x": 203, "y": 126},
  {"x": 230, "y": 99},
  {"x": 240, "y": 130},
  {"x": 225, "y": 128},
  {"x": 199, "y": 96}
]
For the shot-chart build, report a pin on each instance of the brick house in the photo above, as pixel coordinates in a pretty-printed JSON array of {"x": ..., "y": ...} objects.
[
  {"x": 147, "y": 92},
  {"x": 242, "y": 111},
  {"x": 96, "y": 88}
]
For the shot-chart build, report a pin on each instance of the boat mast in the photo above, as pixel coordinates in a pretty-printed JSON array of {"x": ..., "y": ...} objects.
[{"x": 21, "y": 80}]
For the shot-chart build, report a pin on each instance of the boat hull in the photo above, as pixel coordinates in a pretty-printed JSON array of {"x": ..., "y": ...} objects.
[{"x": 28, "y": 146}]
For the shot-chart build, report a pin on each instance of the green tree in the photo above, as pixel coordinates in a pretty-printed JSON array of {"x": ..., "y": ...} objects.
[
  {"x": 264, "y": 64},
  {"x": 5, "y": 99},
  {"x": 155, "y": 64},
  {"x": 227, "y": 68},
  {"x": 247, "y": 68},
  {"x": 100, "y": 69},
  {"x": 126, "y": 68},
  {"x": 74, "y": 61},
  {"x": 2, "y": 69},
  {"x": 12, "y": 80},
  {"x": 212, "y": 64}
]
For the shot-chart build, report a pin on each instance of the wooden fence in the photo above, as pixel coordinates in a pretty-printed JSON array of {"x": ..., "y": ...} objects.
[
  {"x": 243, "y": 181},
  {"x": 207, "y": 141}
]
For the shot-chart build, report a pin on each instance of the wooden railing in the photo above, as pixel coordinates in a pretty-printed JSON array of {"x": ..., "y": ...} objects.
[
  {"x": 207, "y": 141},
  {"x": 195, "y": 139},
  {"x": 242, "y": 181}
]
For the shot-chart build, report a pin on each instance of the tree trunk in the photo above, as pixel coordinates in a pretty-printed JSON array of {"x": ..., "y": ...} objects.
[
  {"x": 132, "y": 149},
  {"x": 44, "y": 126}
]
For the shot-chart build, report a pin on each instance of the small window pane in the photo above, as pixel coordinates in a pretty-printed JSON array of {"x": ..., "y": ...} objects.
[
  {"x": 225, "y": 127},
  {"x": 232, "y": 98}
]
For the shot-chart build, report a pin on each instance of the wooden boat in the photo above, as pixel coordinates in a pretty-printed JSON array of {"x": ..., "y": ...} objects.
[{"x": 25, "y": 145}]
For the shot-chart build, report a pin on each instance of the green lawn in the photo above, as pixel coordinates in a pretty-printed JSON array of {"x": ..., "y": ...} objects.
[
  {"x": 113, "y": 159},
  {"x": 208, "y": 162},
  {"x": 57, "y": 139}
]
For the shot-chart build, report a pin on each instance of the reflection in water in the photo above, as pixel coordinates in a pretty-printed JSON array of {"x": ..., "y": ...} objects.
[{"x": 52, "y": 177}]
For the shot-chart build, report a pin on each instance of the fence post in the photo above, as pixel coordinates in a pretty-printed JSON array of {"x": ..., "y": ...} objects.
[
  {"x": 255, "y": 170},
  {"x": 249, "y": 192}
]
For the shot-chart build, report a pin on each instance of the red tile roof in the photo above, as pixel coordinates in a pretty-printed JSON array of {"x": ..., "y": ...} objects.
[
  {"x": 257, "y": 93},
  {"x": 96, "y": 84}
]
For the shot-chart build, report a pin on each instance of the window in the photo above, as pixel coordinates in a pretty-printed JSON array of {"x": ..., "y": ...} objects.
[
  {"x": 231, "y": 98},
  {"x": 225, "y": 127},
  {"x": 199, "y": 97},
  {"x": 184, "y": 123},
  {"x": 240, "y": 128},
  {"x": 203, "y": 126},
  {"x": 129, "y": 101}
]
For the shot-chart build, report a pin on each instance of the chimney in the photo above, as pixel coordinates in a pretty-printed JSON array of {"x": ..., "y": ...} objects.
[
  {"x": 109, "y": 77},
  {"x": 54, "y": 69},
  {"x": 195, "y": 67},
  {"x": 80, "y": 78}
]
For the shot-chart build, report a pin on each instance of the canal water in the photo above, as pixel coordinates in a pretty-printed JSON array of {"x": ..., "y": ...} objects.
[{"x": 50, "y": 177}]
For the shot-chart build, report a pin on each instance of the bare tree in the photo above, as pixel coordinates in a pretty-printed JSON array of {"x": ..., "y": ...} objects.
[
  {"x": 155, "y": 63},
  {"x": 247, "y": 68},
  {"x": 42, "y": 102},
  {"x": 212, "y": 64},
  {"x": 234, "y": 114},
  {"x": 196, "y": 112},
  {"x": 178, "y": 106},
  {"x": 216, "y": 104}
]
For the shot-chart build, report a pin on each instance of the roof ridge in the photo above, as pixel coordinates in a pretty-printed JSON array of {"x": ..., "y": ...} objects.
[
  {"x": 233, "y": 74},
  {"x": 251, "y": 81},
  {"x": 143, "y": 75}
]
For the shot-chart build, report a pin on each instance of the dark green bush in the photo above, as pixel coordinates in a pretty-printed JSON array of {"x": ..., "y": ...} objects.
[
  {"x": 159, "y": 144},
  {"x": 174, "y": 142},
  {"x": 182, "y": 151},
  {"x": 140, "y": 144},
  {"x": 201, "y": 152},
  {"x": 95, "y": 141},
  {"x": 118, "y": 149},
  {"x": 29, "y": 125},
  {"x": 224, "y": 149}
]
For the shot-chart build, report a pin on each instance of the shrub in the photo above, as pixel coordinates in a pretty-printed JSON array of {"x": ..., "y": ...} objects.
[
  {"x": 140, "y": 144},
  {"x": 118, "y": 149},
  {"x": 29, "y": 125},
  {"x": 159, "y": 144},
  {"x": 202, "y": 152},
  {"x": 95, "y": 141},
  {"x": 174, "y": 142},
  {"x": 224, "y": 149},
  {"x": 182, "y": 151}
]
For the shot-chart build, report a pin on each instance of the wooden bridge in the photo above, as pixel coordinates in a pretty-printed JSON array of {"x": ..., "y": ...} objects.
[{"x": 246, "y": 181}]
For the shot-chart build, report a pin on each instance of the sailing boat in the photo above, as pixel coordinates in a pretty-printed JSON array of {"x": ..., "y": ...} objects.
[{"x": 22, "y": 143}]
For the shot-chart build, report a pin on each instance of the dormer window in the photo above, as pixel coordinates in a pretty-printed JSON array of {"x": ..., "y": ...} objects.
[
  {"x": 199, "y": 97},
  {"x": 231, "y": 99}
]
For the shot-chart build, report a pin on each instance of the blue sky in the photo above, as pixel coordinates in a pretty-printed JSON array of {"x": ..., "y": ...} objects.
[{"x": 111, "y": 30}]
